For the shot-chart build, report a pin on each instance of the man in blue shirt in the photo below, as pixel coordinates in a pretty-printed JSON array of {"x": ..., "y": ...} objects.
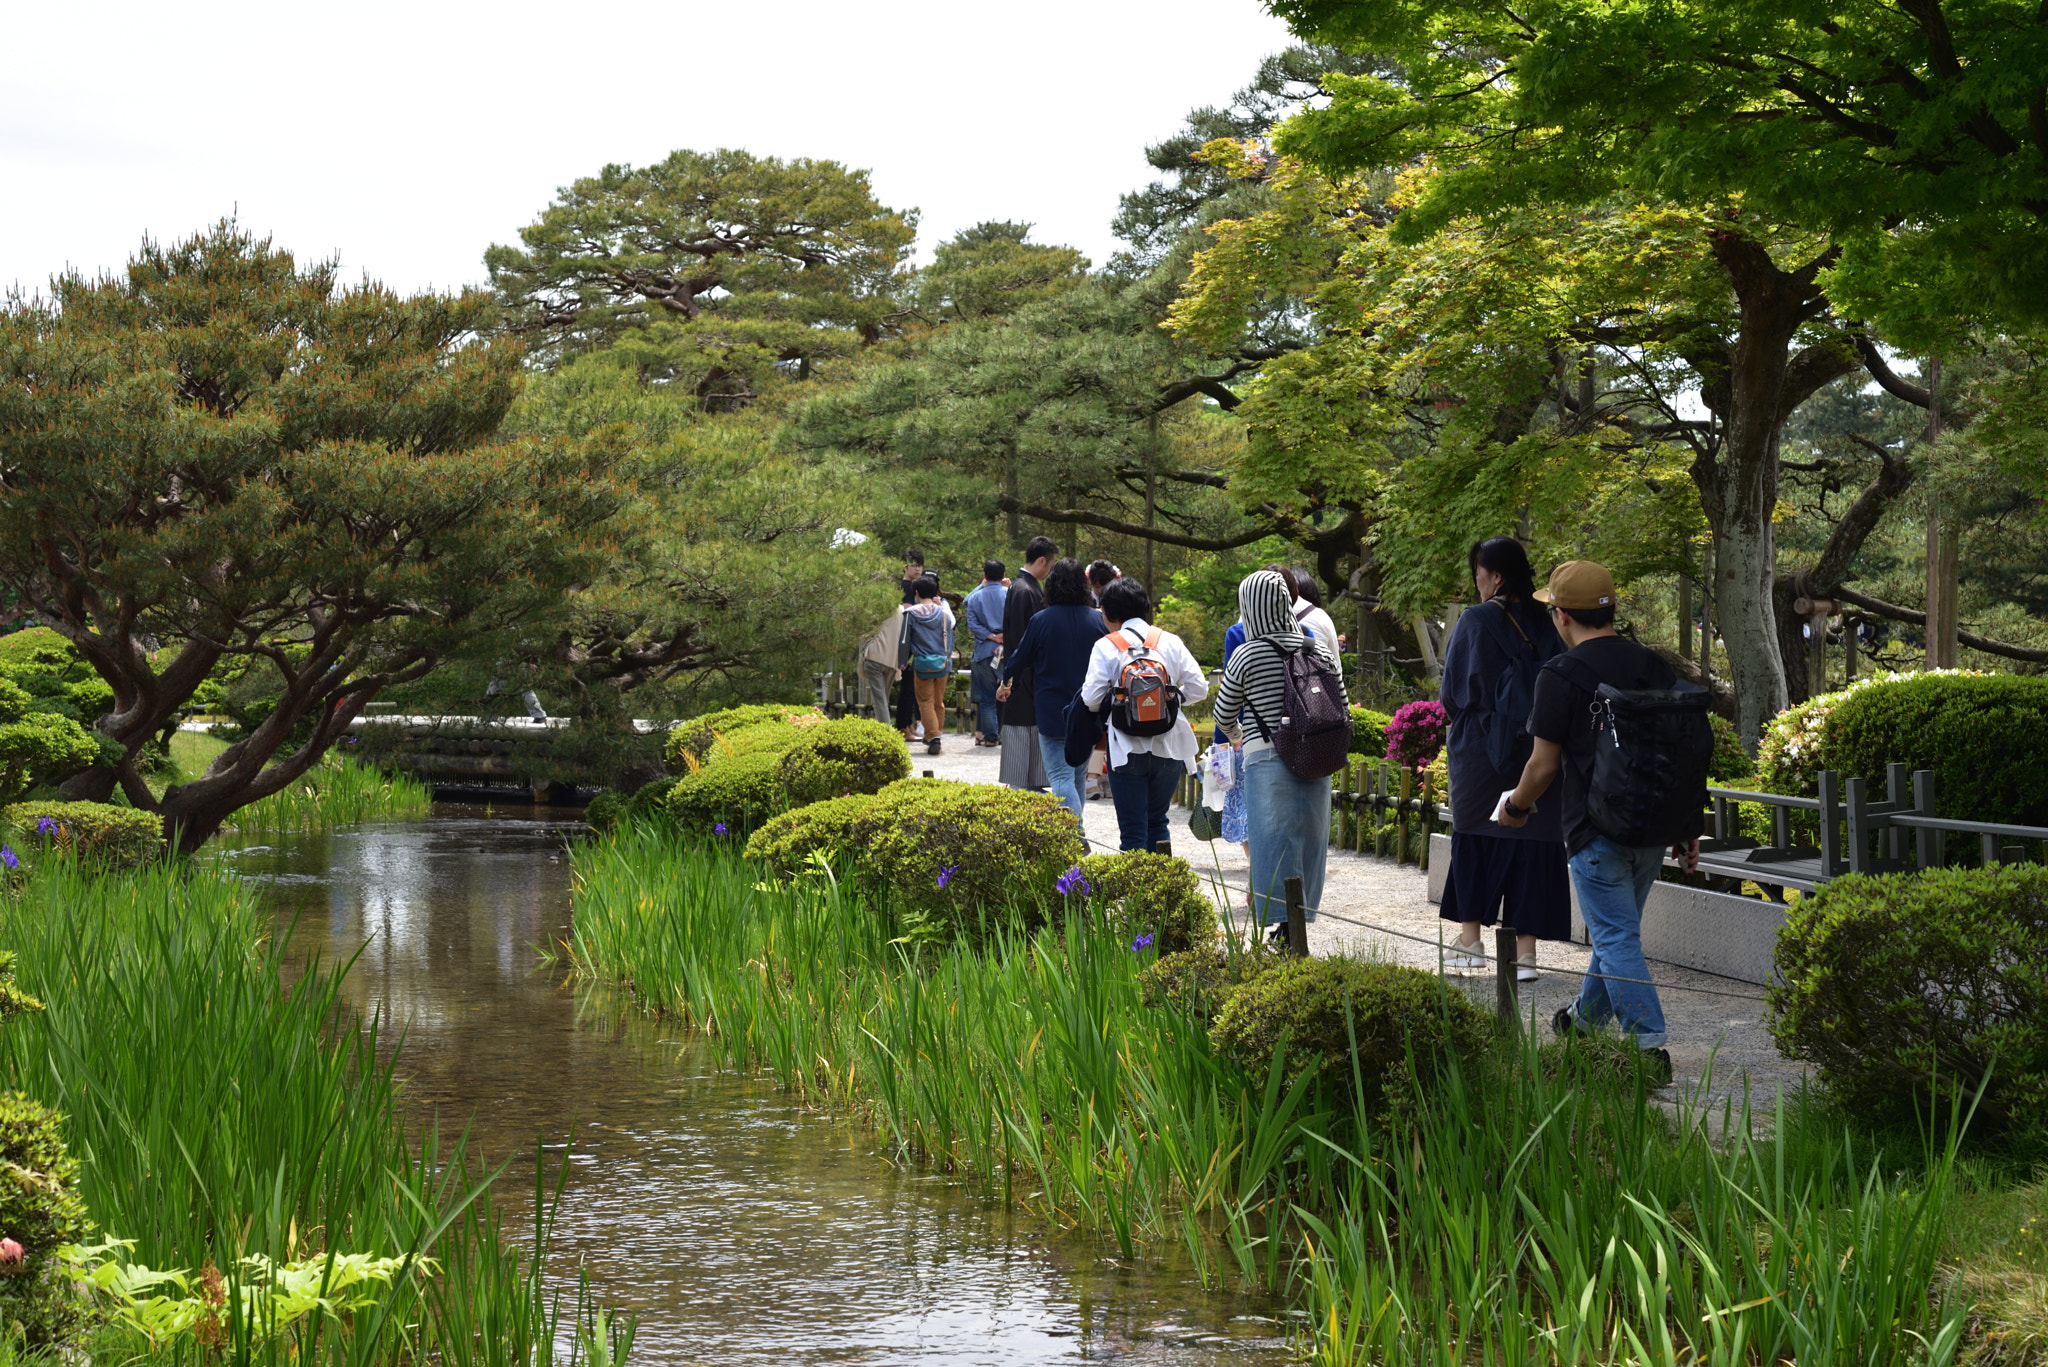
[{"x": 984, "y": 612}]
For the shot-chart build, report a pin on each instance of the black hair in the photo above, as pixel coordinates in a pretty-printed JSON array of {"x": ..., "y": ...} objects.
[
  {"x": 913, "y": 557},
  {"x": 1039, "y": 548},
  {"x": 928, "y": 587},
  {"x": 1124, "y": 599},
  {"x": 1100, "y": 573},
  {"x": 1286, "y": 577},
  {"x": 991, "y": 570},
  {"x": 1507, "y": 558},
  {"x": 1588, "y": 617},
  {"x": 1305, "y": 587},
  {"x": 1066, "y": 585}
]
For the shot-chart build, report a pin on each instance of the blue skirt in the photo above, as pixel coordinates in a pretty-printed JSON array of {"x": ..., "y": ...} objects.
[{"x": 1529, "y": 879}]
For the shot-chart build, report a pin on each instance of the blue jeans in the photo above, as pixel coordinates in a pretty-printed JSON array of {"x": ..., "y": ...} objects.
[
  {"x": 1287, "y": 820},
  {"x": 1143, "y": 792},
  {"x": 982, "y": 682},
  {"x": 1613, "y": 883},
  {"x": 1061, "y": 777}
]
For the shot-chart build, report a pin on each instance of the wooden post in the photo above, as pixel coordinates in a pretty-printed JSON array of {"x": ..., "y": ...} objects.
[
  {"x": 1930, "y": 847},
  {"x": 928, "y": 773},
  {"x": 1401, "y": 817},
  {"x": 1297, "y": 921},
  {"x": 1830, "y": 814},
  {"x": 1164, "y": 847},
  {"x": 1504, "y": 974},
  {"x": 1685, "y": 617},
  {"x": 1849, "y": 629}
]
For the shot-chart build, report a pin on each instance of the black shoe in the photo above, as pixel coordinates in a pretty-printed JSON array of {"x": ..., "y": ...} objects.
[
  {"x": 1278, "y": 934},
  {"x": 1562, "y": 1024},
  {"x": 931, "y": 747},
  {"x": 1657, "y": 1067}
]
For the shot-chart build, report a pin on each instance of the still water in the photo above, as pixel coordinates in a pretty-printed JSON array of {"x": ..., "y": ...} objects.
[{"x": 741, "y": 1228}]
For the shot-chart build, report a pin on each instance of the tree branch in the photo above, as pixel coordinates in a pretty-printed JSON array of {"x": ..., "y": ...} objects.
[
  {"x": 1916, "y": 618},
  {"x": 1077, "y": 516}
]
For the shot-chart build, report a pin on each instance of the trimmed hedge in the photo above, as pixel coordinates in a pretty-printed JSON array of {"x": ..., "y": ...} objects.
[
  {"x": 838, "y": 758},
  {"x": 1369, "y": 732},
  {"x": 997, "y": 847},
  {"x": 1902, "y": 990},
  {"x": 1985, "y": 737},
  {"x": 1200, "y": 979},
  {"x": 615, "y": 811},
  {"x": 1153, "y": 894},
  {"x": 695, "y": 737},
  {"x": 1393, "y": 1011},
  {"x": 738, "y": 791},
  {"x": 121, "y": 836}
]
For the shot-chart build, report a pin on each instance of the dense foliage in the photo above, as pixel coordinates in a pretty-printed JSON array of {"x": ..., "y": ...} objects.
[
  {"x": 1908, "y": 992},
  {"x": 99, "y": 831}
]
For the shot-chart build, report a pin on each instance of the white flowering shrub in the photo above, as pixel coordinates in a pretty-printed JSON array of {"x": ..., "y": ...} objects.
[{"x": 1793, "y": 750}]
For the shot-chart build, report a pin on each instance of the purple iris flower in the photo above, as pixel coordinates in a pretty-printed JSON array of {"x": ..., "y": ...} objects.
[
  {"x": 946, "y": 874},
  {"x": 46, "y": 827},
  {"x": 719, "y": 829},
  {"x": 1072, "y": 881},
  {"x": 1143, "y": 942},
  {"x": 8, "y": 857}
]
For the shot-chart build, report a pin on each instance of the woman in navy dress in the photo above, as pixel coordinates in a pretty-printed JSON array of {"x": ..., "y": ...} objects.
[{"x": 1517, "y": 871}]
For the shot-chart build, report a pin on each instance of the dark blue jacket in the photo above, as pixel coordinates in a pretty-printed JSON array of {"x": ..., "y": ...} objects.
[
  {"x": 1472, "y": 664},
  {"x": 1055, "y": 649}
]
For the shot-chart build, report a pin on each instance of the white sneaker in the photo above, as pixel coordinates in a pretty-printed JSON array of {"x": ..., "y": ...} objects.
[
  {"x": 1525, "y": 969},
  {"x": 1465, "y": 958}
]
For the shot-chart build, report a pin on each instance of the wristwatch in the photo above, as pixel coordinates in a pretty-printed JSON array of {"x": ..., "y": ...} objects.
[{"x": 1507, "y": 805}]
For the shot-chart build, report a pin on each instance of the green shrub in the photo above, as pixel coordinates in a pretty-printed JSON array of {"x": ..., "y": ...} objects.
[
  {"x": 838, "y": 758},
  {"x": 1153, "y": 894},
  {"x": 40, "y": 747},
  {"x": 1731, "y": 766},
  {"x": 40, "y": 1209},
  {"x": 1901, "y": 989},
  {"x": 1369, "y": 732},
  {"x": 1198, "y": 980},
  {"x": 1985, "y": 736},
  {"x": 1393, "y": 1011},
  {"x": 695, "y": 737},
  {"x": 831, "y": 828},
  {"x": 996, "y": 848},
  {"x": 119, "y": 836},
  {"x": 738, "y": 792}
]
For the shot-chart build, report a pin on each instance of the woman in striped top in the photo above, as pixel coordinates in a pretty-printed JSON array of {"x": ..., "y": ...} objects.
[{"x": 1288, "y": 817}]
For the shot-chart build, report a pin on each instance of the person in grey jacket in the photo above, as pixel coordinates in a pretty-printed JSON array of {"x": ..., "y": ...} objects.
[{"x": 928, "y": 635}]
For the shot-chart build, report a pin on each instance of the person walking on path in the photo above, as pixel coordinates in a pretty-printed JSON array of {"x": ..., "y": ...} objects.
[
  {"x": 1490, "y": 664},
  {"x": 906, "y": 690},
  {"x": 878, "y": 663},
  {"x": 1613, "y": 880},
  {"x": 1022, "y": 764},
  {"x": 1054, "y": 650},
  {"x": 1288, "y": 818},
  {"x": 984, "y": 613},
  {"x": 1143, "y": 770},
  {"x": 926, "y": 654},
  {"x": 1235, "y": 828}
]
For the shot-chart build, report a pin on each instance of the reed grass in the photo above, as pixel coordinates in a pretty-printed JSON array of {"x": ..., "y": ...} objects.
[
  {"x": 335, "y": 792},
  {"x": 1542, "y": 1208},
  {"x": 218, "y": 1114}
]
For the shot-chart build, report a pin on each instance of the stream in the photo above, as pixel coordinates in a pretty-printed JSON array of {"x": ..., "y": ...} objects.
[{"x": 738, "y": 1226}]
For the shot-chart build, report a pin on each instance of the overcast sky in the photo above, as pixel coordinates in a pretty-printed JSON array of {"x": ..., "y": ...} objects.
[{"x": 404, "y": 138}]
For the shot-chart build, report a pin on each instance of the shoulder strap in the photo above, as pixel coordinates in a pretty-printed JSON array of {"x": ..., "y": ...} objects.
[
  {"x": 1301, "y": 614},
  {"x": 1119, "y": 640},
  {"x": 1489, "y": 622},
  {"x": 1508, "y": 613},
  {"x": 1152, "y": 640},
  {"x": 1577, "y": 672}
]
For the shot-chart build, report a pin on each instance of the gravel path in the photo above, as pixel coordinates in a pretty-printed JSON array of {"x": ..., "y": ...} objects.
[{"x": 1728, "y": 1033}]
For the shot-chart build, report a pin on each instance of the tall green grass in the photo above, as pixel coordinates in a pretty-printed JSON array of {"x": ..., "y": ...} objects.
[
  {"x": 219, "y": 1113},
  {"x": 1542, "y": 1208},
  {"x": 335, "y": 792}
]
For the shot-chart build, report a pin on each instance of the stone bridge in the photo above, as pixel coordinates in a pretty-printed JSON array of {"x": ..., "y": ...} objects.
[{"x": 475, "y": 751}]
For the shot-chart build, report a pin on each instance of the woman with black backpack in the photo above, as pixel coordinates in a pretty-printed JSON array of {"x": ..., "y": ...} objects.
[
  {"x": 1490, "y": 669},
  {"x": 1286, "y": 738}
]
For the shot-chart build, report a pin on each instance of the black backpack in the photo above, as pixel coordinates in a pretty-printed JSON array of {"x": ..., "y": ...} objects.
[
  {"x": 1508, "y": 741},
  {"x": 1314, "y": 734},
  {"x": 1651, "y": 751}
]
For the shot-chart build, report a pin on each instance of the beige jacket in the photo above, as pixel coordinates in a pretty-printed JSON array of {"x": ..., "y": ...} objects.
[{"x": 880, "y": 647}]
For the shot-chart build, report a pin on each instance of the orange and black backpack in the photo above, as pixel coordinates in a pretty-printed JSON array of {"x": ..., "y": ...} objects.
[{"x": 1146, "y": 701}]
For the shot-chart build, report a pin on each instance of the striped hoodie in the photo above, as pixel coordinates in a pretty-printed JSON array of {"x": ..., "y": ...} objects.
[{"x": 1252, "y": 682}]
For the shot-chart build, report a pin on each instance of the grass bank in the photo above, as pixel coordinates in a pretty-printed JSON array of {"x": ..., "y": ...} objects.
[
  {"x": 335, "y": 792},
  {"x": 218, "y": 1115},
  {"x": 1538, "y": 1208}
]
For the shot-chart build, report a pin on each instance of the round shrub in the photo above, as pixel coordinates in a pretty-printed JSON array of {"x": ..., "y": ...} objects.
[
  {"x": 119, "y": 836},
  {"x": 695, "y": 737},
  {"x": 1153, "y": 894},
  {"x": 1984, "y": 735},
  {"x": 838, "y": 758},
  {"x": 1198, "y": 980},
  {"x": 610, "y": 811},
  {"x": 998, "y": 848},
  {"x": 830, "y": 828},
  {"x": 1901, "y": 989},
  {"x": 40, "y": 1209},
  {"x": 1393, "y": 1011},
  {"x": 1369, "y": 732},
  {"x": 1415, "y": 733},
  {"x": 738, "y": 792},
  {"x": 1731, "y": 765}
]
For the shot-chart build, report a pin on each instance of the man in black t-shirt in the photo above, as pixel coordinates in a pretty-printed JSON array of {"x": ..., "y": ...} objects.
[{"x": 1612, "y": 880}]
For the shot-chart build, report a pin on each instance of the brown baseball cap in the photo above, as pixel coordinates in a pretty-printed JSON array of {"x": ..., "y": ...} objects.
[{"x": 1579, "y": 584}]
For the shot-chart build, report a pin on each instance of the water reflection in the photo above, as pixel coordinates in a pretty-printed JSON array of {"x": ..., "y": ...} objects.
[{"x": 743, "y": 1229}]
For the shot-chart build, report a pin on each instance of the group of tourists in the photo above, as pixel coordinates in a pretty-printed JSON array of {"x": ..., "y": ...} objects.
[{"x": 1067, "y": 668}]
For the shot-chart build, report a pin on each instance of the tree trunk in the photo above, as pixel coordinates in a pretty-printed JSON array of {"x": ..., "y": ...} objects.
[{"x": 1754, "y": 393}]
